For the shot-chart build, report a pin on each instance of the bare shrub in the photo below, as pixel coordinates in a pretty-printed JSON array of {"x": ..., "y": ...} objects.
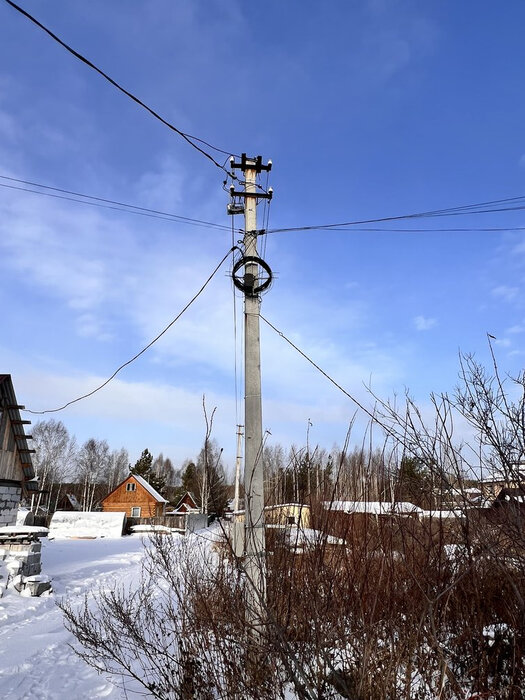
[{"x": 367, "y": 607}]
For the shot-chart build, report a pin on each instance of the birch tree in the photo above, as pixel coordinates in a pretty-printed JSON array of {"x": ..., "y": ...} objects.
[
  {"x": 54, "y": 458},
  {"x": 93, "y": 462}
]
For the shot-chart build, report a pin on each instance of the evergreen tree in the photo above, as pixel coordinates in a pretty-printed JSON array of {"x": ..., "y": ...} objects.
[
  {"x": 144, "y": 468},
  {"x": 205, "y": 479},
  {"x": 414, "y": 483},
  {"x": 190, "y": 479}
]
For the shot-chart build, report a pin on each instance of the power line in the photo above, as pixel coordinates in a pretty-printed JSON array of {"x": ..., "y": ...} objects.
[
  {"x": 187, "y": 137},
  {"x": 480, "y": 208},
  {"x": 115, "y": 205},
  {"x": 137, "y": 210},
  {"x": 471, "y": 229},
  {"x": 109, "y": 203},
  {"x": 141, "y": 352},
  {"x": 319, "y": 369},
  {"x": 235, "y": 359}
]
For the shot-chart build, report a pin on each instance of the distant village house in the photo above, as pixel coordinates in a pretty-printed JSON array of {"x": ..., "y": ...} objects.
[
  {"x": 135, "y": 497},
  {"x": 186, "y": 504}
]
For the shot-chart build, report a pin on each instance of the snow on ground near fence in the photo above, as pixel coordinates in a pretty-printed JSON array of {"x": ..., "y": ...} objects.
[
  {"x": 77, "y": 524},
  {"x": 36, "y": 662}
]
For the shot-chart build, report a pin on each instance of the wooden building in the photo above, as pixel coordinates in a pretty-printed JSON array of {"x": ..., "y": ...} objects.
[
  {"x": 186, "y": 504},
  {"x": 281, "y": 514},
  {"x": 17, "y": 475},
  {"x": 135, "y": 497}
]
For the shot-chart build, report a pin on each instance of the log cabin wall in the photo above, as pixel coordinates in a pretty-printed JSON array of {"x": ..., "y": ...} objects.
[{"x": 122, "y": 500}]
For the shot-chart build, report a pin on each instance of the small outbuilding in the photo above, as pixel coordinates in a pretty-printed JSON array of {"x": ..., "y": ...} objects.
[
  {"x": 281, "y": 514},
  {"x": 186, "y": 504},
  {"x": 135, "y": 497}
]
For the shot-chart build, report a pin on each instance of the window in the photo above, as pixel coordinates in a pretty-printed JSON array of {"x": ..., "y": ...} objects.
[
  {"x": 131, "y": 486},
  {"x": 135, "y": 512}
]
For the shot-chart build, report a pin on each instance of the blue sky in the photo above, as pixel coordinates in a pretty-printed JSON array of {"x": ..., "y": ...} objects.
[{"x": 367, "y": 109}]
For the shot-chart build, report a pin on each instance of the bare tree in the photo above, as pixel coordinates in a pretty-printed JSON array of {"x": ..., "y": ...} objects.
[
  {"x": 93, "y": 462},
  {"x": 54, "y": 458},
  {"x": 164, "y": 469},
  {"x": 118, "y": 468}
]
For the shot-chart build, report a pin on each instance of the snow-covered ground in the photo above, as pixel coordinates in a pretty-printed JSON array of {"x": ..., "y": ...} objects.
[{"x": 36, "y": 661}]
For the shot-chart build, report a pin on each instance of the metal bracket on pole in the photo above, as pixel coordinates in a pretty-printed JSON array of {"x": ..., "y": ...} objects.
[
  {"x": 254, "y": 164},
  {"x": 257, "y": 195},
  {"x": 248, "y": 283}
]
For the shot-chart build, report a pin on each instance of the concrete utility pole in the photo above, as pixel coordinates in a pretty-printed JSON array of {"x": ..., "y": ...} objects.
[
  {"x": 237, "y": 532},
  {"x": 252, "y": 285},
  {"x": 238, "y": 468}
]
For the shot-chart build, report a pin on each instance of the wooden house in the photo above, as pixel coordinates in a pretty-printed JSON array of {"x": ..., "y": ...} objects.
[
  {"x": 186, "y": 504},
  {"x": 281, "y": 514},
  {"x": 135, "y": 497},
  {"x": 17, "y": 475},
  {"x": 512, "y": 477},
  {"x": 508, "y": 507}
]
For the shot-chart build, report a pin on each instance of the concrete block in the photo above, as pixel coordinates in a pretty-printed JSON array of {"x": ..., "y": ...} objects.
[
  {"x": 37, "y": 588},
  {"x": 31, "y": 569}
]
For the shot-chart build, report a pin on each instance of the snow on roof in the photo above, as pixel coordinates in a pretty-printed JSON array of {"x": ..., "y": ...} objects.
[
  {"x": 301, "y": 537},
  {"x": 509, "y": 474},
  {"x": 442, "y": 514},
  {"x": 277, "y": 506},
  {"x": 151, "y": 528},
  {"x": 286, "y": 505},
  {"x": 66, "y": 524},
  {"x": 374, "y": 507},
  {"x": 149, "y": 488},
  {"x": 23, "y": 530}
]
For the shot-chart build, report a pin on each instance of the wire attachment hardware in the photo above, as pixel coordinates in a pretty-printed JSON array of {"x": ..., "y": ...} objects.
[{"x": 251, "y": 284}]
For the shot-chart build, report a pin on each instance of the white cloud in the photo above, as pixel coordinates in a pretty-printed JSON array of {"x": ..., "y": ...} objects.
[
  {"x": 503, "y": 342},
  {"x": 162, "y": 188},
  {"x": 505, "y": 292},
  {"x": 89, "y": 326},
  {"x": 424, "y": 323}
]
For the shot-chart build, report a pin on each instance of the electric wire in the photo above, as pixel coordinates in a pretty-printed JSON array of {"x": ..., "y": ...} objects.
[
  {"x": 187, "y": 137},
  {"x": 111, "y": 204},
  {"x": 144, "y": 349},
  {"x": 235, "y": 358},
  {"x": 319, "y": 369},
  {"x": 467, "y": 229},
  {"x": 265, "y": 216},
  {"x": 116, "y": 205},
  {"x": 463, "y": 210},
  {"x": 470, "y": 229}
]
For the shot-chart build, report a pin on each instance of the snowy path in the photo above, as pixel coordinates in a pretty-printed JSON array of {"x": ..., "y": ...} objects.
[{"x": 35, "y": 660}]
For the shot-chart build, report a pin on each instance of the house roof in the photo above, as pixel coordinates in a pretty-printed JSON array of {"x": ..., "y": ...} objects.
[
  {"x": 374, "y": 507},
  {"x": 149, "y": 488},
  {"x": 181, "y": 499}
]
